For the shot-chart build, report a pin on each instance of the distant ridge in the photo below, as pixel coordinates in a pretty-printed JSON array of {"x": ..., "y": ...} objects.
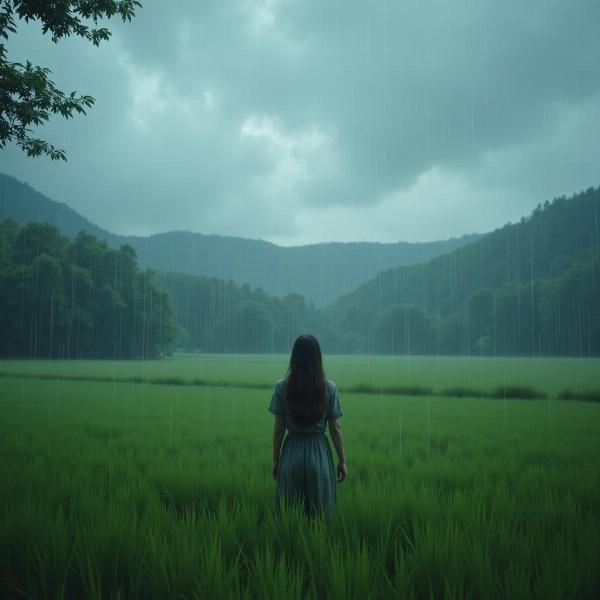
[
  {"x": 320, "y": 272},
  {"x": 543, "y": 268},
  {"x": 19, "y": 201}
]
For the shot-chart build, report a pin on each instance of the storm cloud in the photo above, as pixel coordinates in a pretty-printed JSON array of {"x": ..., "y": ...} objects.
[{"x": 303, "y": 121}]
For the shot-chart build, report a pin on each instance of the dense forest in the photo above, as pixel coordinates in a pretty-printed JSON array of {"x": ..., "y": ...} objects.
[
  {"x": 220, "y": 316},
  {"x": 530, "y": 288},
  {"x": 527, "y": 288},
  {"x": 63, "y": 298}
]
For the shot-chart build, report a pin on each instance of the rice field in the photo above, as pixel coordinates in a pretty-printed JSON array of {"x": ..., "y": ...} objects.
[
  {"x": 118, "y": 488},
  {"x": 549, "y": 376}
]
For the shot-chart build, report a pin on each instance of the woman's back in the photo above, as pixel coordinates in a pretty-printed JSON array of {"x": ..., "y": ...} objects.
[
  {"x": 278, "y": 408},
  {"x": 305, "y": 403}
]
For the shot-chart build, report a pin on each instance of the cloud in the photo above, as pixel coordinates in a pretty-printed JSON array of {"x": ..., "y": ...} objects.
[
  {"x": 296, "y": 161},
  {"x": 440, "y": 204},
  {"x": 302, "y": 120},
  {"x": 503, "y": 186}
]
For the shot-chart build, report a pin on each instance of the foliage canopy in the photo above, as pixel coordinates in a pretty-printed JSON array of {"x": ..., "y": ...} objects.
[
  {"x": 77, "y": 298},
  {"x": 28, "y": 97}
]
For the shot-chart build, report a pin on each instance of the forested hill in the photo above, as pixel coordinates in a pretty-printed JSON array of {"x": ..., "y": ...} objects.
[
  {"x": 20, "y": 202},
  {"x": 528, "y": 287},
  {"x": 320, "y": 272},
  {"x": 62, "y": 298}
]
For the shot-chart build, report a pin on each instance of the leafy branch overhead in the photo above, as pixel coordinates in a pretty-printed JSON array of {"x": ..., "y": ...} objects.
[{"x": 28, "y": 97}]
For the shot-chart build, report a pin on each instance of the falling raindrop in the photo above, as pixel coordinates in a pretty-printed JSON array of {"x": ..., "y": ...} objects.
[
  {"x": 400, "y": 434},
  {"x": 170, "y": 421},
  {"x": 428, "y": 421},
  {"x": 505, "y": 399}
]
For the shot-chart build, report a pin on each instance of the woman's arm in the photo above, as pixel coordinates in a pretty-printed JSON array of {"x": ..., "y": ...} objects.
[
  {"x": 278, "y": 433},
  {"x": 335, "y": 430}
]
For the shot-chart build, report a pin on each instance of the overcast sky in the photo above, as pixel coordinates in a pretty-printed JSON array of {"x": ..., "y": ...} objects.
[{"x": 301, "y": 121}]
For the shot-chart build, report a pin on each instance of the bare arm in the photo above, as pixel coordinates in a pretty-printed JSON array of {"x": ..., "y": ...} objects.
[
  {"x": 278, "y": 433},
  {"x": 335, "y": 430}
]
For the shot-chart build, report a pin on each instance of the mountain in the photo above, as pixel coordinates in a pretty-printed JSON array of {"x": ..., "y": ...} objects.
[
  {"x": 22, "y": 203},
  {"x": 320, "y": 272},
  {"x": 529, "y": 287}
]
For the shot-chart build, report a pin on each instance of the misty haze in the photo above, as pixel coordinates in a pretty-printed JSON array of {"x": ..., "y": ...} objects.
[{"x": 231, "y": 231}]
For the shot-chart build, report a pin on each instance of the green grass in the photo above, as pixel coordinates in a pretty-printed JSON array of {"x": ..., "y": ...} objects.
[
  {"x": 132, "y": 490},
  {"x": 396, "y": 375}
]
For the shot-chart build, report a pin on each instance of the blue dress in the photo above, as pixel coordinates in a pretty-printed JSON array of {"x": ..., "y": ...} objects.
[{"x": 306, "y": 471}]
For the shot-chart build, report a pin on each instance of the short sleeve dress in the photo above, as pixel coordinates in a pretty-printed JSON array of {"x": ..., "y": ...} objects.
[{"x": 306, "y": 471}]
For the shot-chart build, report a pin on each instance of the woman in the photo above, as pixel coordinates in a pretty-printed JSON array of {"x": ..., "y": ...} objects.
[{"x": 304, "y": 403}]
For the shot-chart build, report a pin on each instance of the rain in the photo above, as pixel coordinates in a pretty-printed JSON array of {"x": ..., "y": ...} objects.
[{"x": 199, "y": 199}]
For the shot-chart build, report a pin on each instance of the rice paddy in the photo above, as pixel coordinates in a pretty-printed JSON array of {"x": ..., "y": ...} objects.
[{"x": 118, "y": 487}]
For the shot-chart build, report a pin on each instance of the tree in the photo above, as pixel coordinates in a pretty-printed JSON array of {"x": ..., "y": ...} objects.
[
  {"x": 27, "y": 96},
  {"x": 480, "y": 307},
  {"x": 75, "y": 299},
  {"x": 402, "y": 329}
]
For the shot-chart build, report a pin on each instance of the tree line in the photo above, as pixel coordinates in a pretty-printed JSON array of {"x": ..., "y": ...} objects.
[
  {"x": 527, "y": 288},
  {"x": 531, "y": 288},
  {"x": 77, "y": 298},
  {"x": 545, "y": 317},
  {"x": 221, "y": 316}
]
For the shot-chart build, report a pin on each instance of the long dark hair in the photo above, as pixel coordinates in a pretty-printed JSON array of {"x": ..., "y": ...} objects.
[{"x": 306, "y": 387}]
